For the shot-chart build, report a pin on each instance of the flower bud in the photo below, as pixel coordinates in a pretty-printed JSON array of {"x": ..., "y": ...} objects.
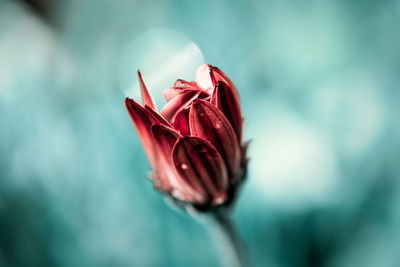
[{"x": 194, "y": 144}]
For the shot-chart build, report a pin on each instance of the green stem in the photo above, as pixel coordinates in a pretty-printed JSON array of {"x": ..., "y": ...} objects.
[{"x": 227, "y": 240}]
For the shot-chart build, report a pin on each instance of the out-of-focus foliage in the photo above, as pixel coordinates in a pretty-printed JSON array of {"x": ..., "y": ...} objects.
[{"x": 319, "y": 82}]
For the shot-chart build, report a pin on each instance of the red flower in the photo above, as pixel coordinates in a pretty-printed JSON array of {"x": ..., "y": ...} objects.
[{"x": 194, "y": 144}]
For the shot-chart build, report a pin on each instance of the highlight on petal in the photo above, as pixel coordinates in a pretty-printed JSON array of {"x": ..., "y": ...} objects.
[
  {"x": 181, "y": 121},
  {"x": 227, "y": 101},
  {"x": 142, "y": 120},
  {"x": 165, "y": 139},
  {"x": 202, "y": 167},
  {"x": 208, "y": 76},
  {"x": 203, "y": 78},
  {"x": 147, "y": 99},
  {"x": 179, "y": 102},
  {"x": 208, "y": 122}
]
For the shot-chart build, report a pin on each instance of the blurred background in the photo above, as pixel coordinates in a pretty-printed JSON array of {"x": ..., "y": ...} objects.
[{"x": 319, "y": 83}]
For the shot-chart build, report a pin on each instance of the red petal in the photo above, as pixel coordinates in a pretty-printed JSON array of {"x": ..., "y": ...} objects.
[
  {"x": 146, "y": 96},
  {"x": 143, "y": 119},
  {"x": 218, "y": 76},
  {"x": 165, "y": 139},
  {"x": 208, "y": 76},
  {"x": 159, "y": 119},
  {"x": 181, "y": 121},
  {"x": 177, "y": 103},
  {"x": 202, "y": 167},
  {"x": 208, "y": 122},
  {"x": 227, "y": 101}
]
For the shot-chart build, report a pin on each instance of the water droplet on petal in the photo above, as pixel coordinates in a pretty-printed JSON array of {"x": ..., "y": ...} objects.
[{"x": 183, "y": 166}]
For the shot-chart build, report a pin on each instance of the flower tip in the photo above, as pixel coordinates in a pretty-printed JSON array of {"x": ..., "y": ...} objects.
[
  {"x": 128, "y": 100},
  {"x": 147, "y": 99},
  {"x": 142, "y": 83},
  {"x": 198, "y": 103}
]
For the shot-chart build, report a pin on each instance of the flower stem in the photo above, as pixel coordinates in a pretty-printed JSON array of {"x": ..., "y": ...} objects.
[{"x": 227, "y": 240}]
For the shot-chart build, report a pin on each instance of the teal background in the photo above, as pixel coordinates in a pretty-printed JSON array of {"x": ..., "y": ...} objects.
[{"x": 319, "y": 85}]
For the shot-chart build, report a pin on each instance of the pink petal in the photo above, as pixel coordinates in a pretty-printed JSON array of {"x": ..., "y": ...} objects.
[
  {"x": 165, "y": 139},
  {"x": 208, "y": 122},
  {"x": 202, "y": 167},
  {"x": 227, "y": 101},
  {"x": 147, "y": 99},
  {"x": 181, "y": 121},
  {"x": 177, "y": 103}
]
